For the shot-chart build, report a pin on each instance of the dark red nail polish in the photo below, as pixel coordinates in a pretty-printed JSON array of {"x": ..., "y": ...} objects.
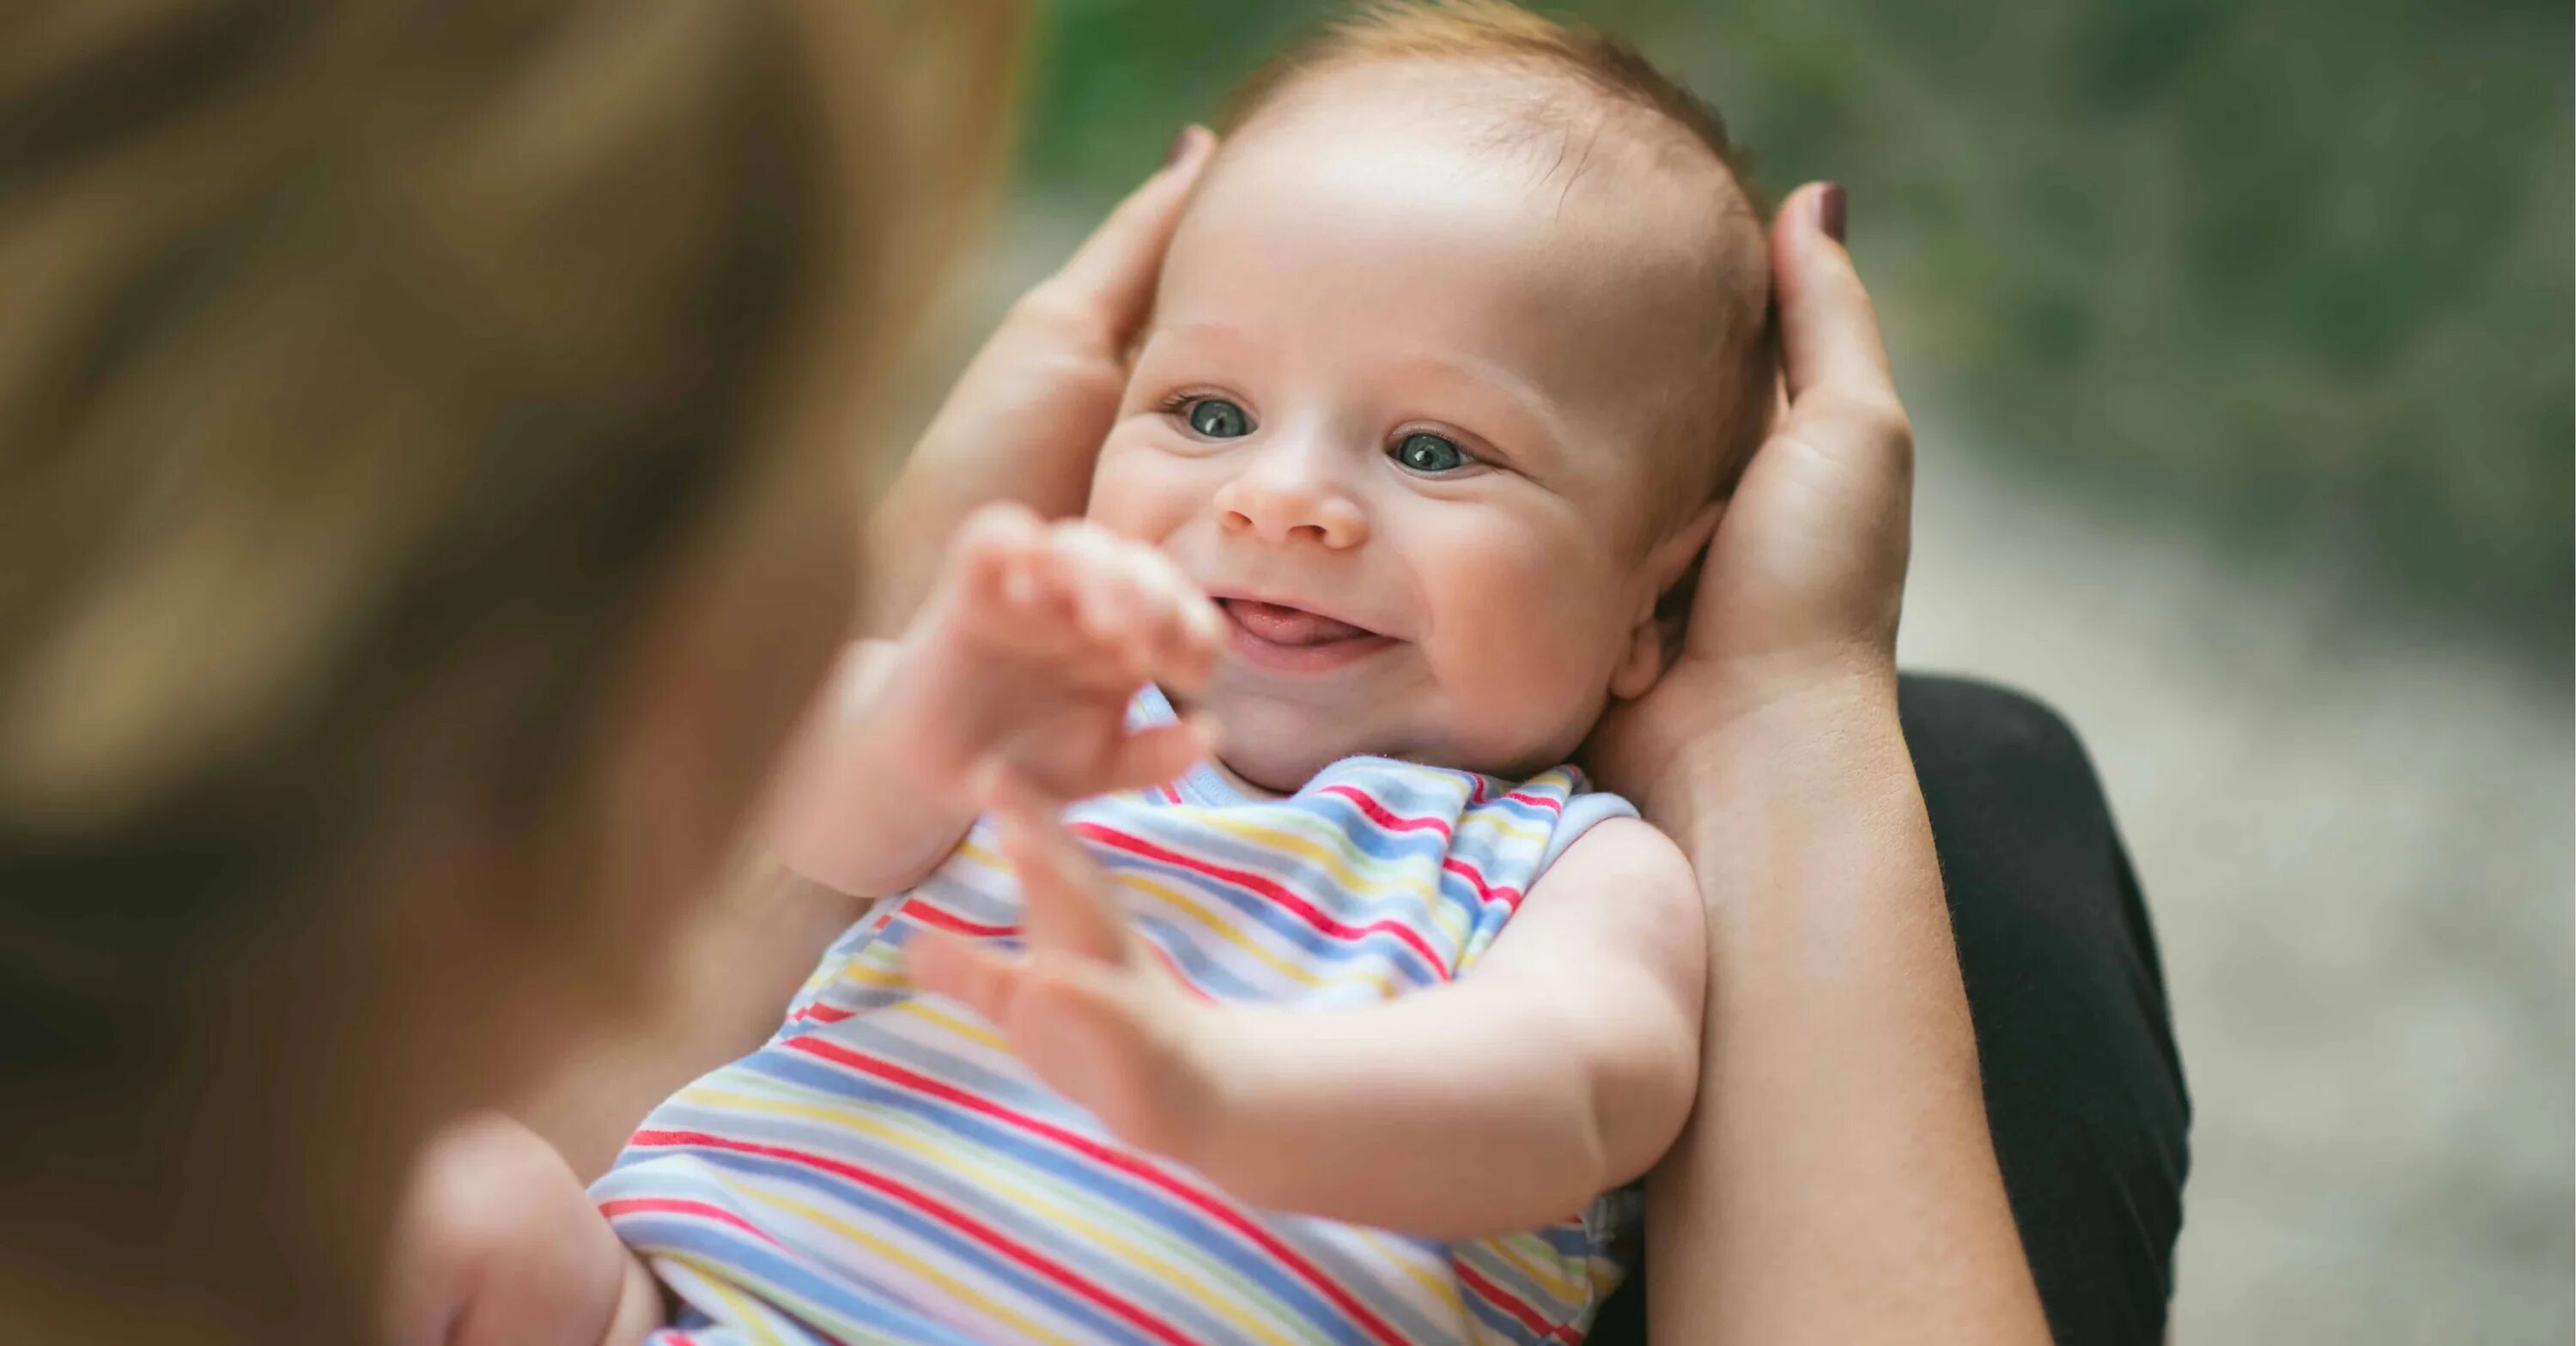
[
  {"x": 1180, "y": 146},
  {"x": 1829, "y": 210}
]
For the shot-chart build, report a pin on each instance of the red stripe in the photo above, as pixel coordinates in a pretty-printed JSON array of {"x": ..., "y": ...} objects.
[
  {"x": 1494, "y": 1294},
  {"x": 656, "y": 1205},
  {"x": 1393, "y": 822},
  {"x": 1379, "y": 814},
  {"x": 819, "y": 1012},
  {"x": 1509, "y": 897},
  {"x": 927, "y": 914},
  {"x": 938, "y": 1210},
  {"x": 1173, "y": 966},
  {"x": 1556, "y": 806},
  {"x": 1117, "y": 1159},
  {"x": 1108, "y": 836}
]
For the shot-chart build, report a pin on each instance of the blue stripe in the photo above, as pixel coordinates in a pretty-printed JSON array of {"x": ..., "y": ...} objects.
[
  {"x": 929, "y": 1231},
  {"x": 967, "y": 1183},
  {"x": 1183, "y": 1222}
]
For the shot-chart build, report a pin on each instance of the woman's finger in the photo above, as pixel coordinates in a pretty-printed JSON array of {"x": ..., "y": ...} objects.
[
  {"x": 1111, "y": 276},
  {"x": 1829, "y": 338},
  {"x": 1066, "y": 900}
]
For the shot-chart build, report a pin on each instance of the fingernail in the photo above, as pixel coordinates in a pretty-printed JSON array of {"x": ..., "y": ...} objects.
[
  {"x": 1830, "y": 209},
  {"x": 1181, "y": 144}
]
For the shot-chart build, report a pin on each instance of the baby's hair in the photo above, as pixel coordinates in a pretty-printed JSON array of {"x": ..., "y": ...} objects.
[{"x": 1500, "y": 34}]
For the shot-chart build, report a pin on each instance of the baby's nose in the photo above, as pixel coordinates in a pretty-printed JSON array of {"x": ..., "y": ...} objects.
[{"x": 1282, "y": 508}]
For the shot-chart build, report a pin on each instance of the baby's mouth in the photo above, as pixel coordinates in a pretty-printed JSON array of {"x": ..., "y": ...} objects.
[
  {"x": 1293, "y": 640},
  {"x": 1290, "y": 626}
]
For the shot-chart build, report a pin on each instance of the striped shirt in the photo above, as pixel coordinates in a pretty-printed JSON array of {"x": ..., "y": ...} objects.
[{"x": 884, "y": 1170}]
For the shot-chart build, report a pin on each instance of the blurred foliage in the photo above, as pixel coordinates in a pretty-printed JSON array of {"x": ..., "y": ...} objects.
[{"x": 2301, "y": 268}]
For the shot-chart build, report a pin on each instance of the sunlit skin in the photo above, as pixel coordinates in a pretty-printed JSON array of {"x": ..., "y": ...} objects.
[{"x": 1368, "y": 263}]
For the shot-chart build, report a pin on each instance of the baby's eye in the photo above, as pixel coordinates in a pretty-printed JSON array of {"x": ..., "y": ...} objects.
[
  {"x": 1217, "y": 418},
  {"x": 1423, "y": 451}
]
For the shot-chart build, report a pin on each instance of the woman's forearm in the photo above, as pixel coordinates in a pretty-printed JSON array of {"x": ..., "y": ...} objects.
[{"x": 1837, "y": 1181}]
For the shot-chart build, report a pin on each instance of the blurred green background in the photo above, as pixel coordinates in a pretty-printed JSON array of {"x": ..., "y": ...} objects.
[
  {"x": 2297, "y": 268},
  {"x": 2238, "y": 341}
]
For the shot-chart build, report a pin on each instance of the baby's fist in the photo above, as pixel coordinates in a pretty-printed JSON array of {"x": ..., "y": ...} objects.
[
  {"x": 1095, "y": 605},
  {"x": 1043, "y": 632}
]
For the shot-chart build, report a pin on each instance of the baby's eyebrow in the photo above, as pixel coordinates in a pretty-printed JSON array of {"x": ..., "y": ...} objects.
[
  {"x": 1223, "y": 337},
  {"x": 1543, "y": 427}
]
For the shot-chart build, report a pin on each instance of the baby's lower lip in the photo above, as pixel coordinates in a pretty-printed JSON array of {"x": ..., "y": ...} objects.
[{"x": 1287, "y": 641}]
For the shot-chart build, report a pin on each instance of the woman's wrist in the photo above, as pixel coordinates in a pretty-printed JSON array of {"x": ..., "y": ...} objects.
[{"x": 1796, "y": 728}]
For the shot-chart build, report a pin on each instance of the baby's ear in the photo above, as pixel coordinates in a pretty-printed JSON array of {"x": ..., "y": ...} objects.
[{"x": 1653, "y": 631}]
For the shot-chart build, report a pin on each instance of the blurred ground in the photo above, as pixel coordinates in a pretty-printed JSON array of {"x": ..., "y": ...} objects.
[
  {"x": 2353, "y": 833},
  {"x": 2353, "y": 824}
]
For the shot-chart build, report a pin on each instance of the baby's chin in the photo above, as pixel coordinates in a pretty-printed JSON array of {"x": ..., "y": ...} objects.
[
  {"x": 1278, "y": 751},
  {"x": 1279, "y": 746}
]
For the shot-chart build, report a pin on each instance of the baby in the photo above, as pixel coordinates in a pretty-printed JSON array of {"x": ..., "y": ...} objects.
[{"x": 1343, "y": 1032}]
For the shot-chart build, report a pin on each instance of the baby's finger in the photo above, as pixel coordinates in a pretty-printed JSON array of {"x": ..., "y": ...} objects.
[
  {"x": 1189, "y": 631},
  {"x": 1064, "y": 893},
  {"x": 962, "y": 970},
  {"x": 1110, "y": 599},
  {"x": 990, "y": 543},
  {"x": 1156, "y": 755}
]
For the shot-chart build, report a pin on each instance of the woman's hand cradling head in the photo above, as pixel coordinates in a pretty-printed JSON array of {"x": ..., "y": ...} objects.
[
  {"x": 1026, "y": 419},
  {"x": 1799, "y": 594}
]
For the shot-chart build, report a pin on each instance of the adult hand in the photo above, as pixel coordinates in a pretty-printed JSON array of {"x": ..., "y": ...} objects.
[
  {"x": 1026, "y": 419},
  {"x": 1845, "y": 1187},
  {"x": 1802, "y": 580}
]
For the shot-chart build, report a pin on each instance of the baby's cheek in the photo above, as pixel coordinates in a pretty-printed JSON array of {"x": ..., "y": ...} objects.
[
  {"x": 1133, "y": 491},
  {"x": 1529, "y": 662}
]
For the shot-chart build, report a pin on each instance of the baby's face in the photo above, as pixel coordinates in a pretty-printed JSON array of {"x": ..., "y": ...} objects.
[{"x": 1399, "y": 411}]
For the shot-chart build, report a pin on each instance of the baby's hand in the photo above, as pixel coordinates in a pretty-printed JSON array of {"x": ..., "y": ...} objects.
[
  {"x": 1039, "y": 636},
  {"x": 1088, "y": 1005}
]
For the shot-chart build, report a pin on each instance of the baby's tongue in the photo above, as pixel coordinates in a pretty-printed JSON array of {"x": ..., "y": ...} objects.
[{"x": 1289, "y": 626}]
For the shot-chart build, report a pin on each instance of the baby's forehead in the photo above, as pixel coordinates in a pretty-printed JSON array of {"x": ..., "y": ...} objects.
[
  {"x": 1547, "y": 220},
  {"x": 1572, "y": 145},
  {"x": 1579, "y": 191}
]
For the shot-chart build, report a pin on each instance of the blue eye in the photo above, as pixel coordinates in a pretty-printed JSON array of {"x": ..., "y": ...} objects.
[
  {"x": 1217, "y": 418},
  {"x": 1423, "y": 451}
]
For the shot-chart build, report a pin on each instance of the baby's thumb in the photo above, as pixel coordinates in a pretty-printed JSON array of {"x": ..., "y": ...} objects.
[{"x": 1156, "y": 755}]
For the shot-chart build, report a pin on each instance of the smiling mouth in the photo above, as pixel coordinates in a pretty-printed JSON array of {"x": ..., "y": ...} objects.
[{"x": 1293, "y": 640}]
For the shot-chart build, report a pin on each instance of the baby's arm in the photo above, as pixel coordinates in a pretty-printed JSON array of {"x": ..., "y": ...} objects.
[
  {"x": 1025, "y": 657},
  {"x": 1561, "y": 1066},
  {"x": 498, "y": 1245}
]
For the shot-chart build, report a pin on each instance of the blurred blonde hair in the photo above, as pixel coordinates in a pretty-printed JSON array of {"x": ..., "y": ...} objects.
[
  {"x": 370, "y": 367},
  {"x": 1496, "y": 33}
]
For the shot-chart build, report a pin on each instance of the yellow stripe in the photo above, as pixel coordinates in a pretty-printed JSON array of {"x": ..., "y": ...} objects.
[
  {"x": 1511, "y": 1250},
  {"x": 943, "y": 1156},
  {"x": 1215, "y": 924},
  {"x": 745, "y": 1314},
  {"x": 1517, "y": 831},
  {"x": 1408, "y": 883},
  {"x": 1443, "y": 1288},
  {"x": 982, "y": 1036},
  {"x": 1221, "y": 927},
  {"x": 1022, "y": 1327}
]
